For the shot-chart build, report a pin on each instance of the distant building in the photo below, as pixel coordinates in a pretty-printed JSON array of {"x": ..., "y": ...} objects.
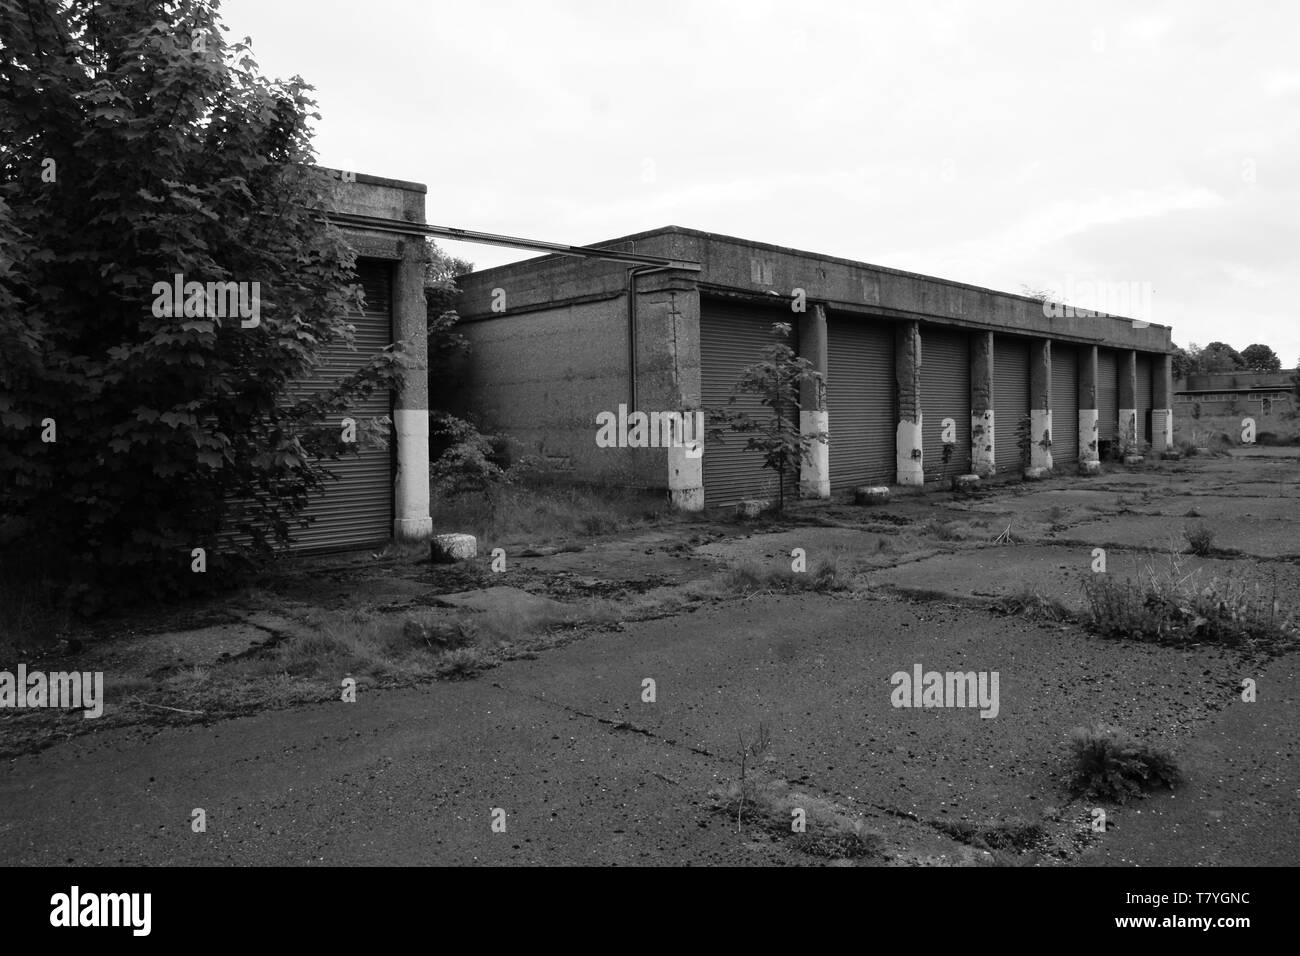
[{"x": 1231, "y": 393}]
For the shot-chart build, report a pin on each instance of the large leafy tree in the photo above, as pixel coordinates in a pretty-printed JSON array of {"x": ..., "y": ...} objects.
[
  {"x": 1261, "y": 358},
  {"x": 138, "y": 144},
  {"x": 1220, "y": 357}
]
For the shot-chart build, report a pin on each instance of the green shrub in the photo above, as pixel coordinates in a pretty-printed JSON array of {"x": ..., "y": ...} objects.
[
  {"x": 1111, "y": 765},
  {"x": 1200, "y": 540}
]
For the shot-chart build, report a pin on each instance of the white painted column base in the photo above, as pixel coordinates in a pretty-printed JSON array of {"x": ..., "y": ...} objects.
[
  {"x": 411, "y": 485},
  {"x": 1040, "y": 427},
  {"x": 1128, "y": 431},
  {"x": 909, "y": 463},
  {"x": 1088, "y": 448},
  {"x": 1162, "y": 430},
  {"x": 815, "y": 470},
  {"x": 686, "y": 476},
  {"x": 982, "y": 459}
]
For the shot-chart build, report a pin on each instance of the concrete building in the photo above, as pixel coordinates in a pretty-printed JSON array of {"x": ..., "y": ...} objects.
[
  {"x": 1235, "y": 393},
  {"x": 382, "y": 493},
  {"x": 925, "y": 378}
]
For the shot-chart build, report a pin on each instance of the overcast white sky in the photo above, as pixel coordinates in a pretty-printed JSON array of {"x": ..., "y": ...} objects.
[{"x": 997, "y": 143}]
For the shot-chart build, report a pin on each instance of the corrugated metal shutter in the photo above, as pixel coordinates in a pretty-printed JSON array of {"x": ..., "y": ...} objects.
[
  {"x": 945, "y": 393},
  {"x": 1065, "y": 404},
  {"x": 1143, "y": 397},
  {"x": 862, "y": 399},
  {"x": 356, "y": 510},
  {"x": 1107, "y": 394},
  {"x": 732, "y": 337},
  {"x": 1010, "y": 401}
]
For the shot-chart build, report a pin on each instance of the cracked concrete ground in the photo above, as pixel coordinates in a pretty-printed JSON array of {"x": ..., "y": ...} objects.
[{"x": 588, "y": 772}]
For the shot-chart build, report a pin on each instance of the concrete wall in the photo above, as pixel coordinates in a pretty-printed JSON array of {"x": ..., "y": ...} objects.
[{"x": 542, "y": 370}]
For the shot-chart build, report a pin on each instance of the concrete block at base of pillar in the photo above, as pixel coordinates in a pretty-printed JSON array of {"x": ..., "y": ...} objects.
[
  {"x": 450, "y": 548},
  {"x": 871, "y": 495}
]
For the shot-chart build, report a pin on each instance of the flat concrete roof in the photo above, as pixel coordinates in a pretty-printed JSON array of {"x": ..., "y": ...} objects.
[{"x": 782, "y": 250}]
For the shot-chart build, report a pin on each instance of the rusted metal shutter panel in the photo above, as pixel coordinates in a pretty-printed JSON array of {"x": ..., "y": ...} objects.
[
  {"x": 1107, "y": 394},
  {"x": 1143, "y": 397},
  {"x": 356, "y": 509},
  {"x": 945, "y": 393},
  {"x": 861, "y": 401},
  {"x": 732, "y": 337},
  {"x": 1065, "y": 404},
  {"x": 1010, "y": 401}
]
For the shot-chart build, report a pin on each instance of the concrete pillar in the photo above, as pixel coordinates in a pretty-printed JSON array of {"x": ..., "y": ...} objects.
[
  {"x": 909, "y": 465},
  {"x": 411, "y": 404},
  {"x": 686, "y": 463},
  {"x": 1040, "y": 404},
  {"x": 1128, "y": 428},
  {"x": 815, "y": 469},
  {"x": 1162, "y": 404},
  {"x": 981, "y": 403},
  {"x": 1089, "y": 457}
]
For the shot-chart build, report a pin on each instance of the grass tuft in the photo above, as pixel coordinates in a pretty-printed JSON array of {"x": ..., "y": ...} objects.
[{"x": 1110, "y": 765}]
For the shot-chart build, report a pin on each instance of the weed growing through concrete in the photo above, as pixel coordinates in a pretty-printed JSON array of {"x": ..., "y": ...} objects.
[
  {"x": 1171, "y": 606},
  {"x": 1111, "y": 765},
  {"x": 1200, "y": 540},
  {"x": 749, "y": 577},
  {"x": 759, "y": 800},
  {"x": 1033, "y": 603},
  {"x": 943, "y": 530}
]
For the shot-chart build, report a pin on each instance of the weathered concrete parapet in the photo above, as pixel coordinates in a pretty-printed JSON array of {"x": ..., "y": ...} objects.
[
  {"x": 981, "y": 403},
  {"x": 1088, "y": 434},
  {"x": 411, "y": 404},
  {"x": 1040, "y": 405},
  {"x": 1162, "y": 412},
  {"x": 815, "y": 469},
  {"x": 1128, "y": 424},
  {"x": 909, "y": 465}
]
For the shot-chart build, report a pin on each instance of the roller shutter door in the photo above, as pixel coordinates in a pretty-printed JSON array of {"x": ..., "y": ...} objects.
[
  {"x": 1065, "y": 404},
  {"x": 1010, "y": 401},
  {"x": 732, "y": 337},
  {"x": 1143, "y": 397},
  {"x": 356, "y": 509},
  {"x": 861, "y": 398},
  {"x": 1107, "y": 395},
  {"x": 945, "y": 393}
]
